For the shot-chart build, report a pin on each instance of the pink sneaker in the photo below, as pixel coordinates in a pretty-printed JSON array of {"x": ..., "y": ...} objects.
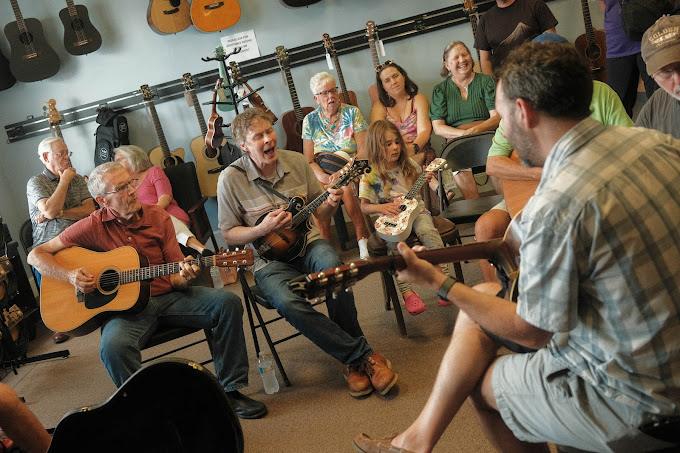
[
  {"x": 414, "y": 304},
  {"x": 444, "y": 303}
]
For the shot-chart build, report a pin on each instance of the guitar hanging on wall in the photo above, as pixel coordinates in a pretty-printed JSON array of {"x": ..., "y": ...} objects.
[
  {"x": 160, "y": 155},
  {"x": 298, "y": 3},
  {"x": 7, "y": 80},
  {"x": 206, "y": 157},
  {"x": 471, "y": 11},
  {"x": 211, "y": 15},
  {"x": 168, "y": 16},
  {"x": 80, "y": 36},
  {"x": 593, "y": 46},
  {"x": 348, "y": 97},
  {"x": 53, "y": 117},
  {"x": 254, "y": 98},
  {"x": 32, "y": 58},
  {"x": 292, "y": 119},
  {"x": 371, "y": 34}
]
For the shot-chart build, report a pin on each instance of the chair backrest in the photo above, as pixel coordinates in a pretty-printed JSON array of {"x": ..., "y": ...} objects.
[
  {"x": 469, "y": 151},
  {"x": 26, "y": 235},
  {"x": 185, "y": 188}
]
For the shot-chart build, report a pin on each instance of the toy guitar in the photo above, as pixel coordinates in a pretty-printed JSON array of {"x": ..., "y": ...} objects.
[
  {"x": 397, "y": 228},
  {"x": 123, "y": 284},
  {"x": 285, "y": 245}
]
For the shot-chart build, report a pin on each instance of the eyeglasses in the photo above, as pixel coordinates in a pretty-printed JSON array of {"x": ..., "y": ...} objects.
[
  {"x": 664, "y": 74},
  {"x": 331, "y": 92},
  {"x": 131, "y": 184},
  {"x": 64, "y": 154},
  {"x": 382, "y": 66}
]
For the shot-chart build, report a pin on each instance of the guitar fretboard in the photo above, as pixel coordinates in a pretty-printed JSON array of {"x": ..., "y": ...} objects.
[
  {"x": 157, "y": 124},
  {"x": 289, "y": 81},
  {"x": 331, "y": 49},
  {"x": 160, "y": 270},
  {"x": 590, "y": 35}
]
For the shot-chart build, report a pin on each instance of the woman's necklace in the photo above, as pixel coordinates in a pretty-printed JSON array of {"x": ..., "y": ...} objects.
[
  {"x": 330, "y": 126},
  {"x": 464, "y": 85}
]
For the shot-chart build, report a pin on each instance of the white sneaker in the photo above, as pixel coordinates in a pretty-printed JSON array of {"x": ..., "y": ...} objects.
[{"x": 363, "y": 248}]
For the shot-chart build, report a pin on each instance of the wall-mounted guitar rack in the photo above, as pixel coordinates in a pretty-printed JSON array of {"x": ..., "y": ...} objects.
[{"x": 350, "y": 42}]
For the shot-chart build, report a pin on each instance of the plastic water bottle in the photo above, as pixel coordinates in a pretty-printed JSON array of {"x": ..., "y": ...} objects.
[
  {"x": 269, "y": 381},
  {"x": 216, "y": 277}
]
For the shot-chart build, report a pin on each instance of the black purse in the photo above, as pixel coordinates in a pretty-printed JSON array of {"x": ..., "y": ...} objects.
[{"x": 638, "y": 15}]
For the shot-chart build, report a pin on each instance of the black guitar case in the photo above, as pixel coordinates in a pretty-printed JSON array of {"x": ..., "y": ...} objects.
[{"x": 172, "y": 405}]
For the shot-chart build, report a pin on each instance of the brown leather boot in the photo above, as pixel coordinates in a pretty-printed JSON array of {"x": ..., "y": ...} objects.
[
  {"x": 379, "y": 369},
  {"x": 358, "y": 382}
]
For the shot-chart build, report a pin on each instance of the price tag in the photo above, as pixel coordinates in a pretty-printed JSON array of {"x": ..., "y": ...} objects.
[
  {"x": 187, "y": 97},
  {"x": 329, "y": 61},
  {"x": 380, "y": 48}
]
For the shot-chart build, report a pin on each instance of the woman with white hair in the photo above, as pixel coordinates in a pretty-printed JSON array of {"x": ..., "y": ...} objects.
[
  {"x": 340, "y": 129},
  {"x": 153, "y": 187}
]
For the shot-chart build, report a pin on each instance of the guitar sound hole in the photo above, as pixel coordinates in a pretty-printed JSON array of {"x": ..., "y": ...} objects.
[
  {"x": 175, "y": 3},
  {"x": 108, "y": 281},
  {"x": 26, "y": 38},
  {"x": 593, "y": 52},
  {"x": 210, "y": 152},
  {"x": 77, "y": 24}
]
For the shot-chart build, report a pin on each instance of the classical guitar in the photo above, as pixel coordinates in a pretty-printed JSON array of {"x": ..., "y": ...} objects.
[
  {"x": 168, "y": 16},
  {"x": 254, "y": 98},
  {"x": 7, "y": 80},
  {"x": 286, "y": 245},
  {"x": 32, "y": 58},
  {"x": 371, "y": 34},
  {"x": 398, "y": 227},
  {"x": 348, "y": 97},
  {"x": 211, "y": 15},
  {"x": 206, "y": 157},
  {"x": 54, "y": 117},
  {"x": 502, "y": 253},
  {"x": 214, "y": 138},
  {"x": 80, "y": 36},
  {"x": 471, "y": 11},
  {"x": 593, "y": 46},
  {"x": 123, "y": 284},
  {"x": 292, "y": 119},
  {"x": 160, "y": 155}
]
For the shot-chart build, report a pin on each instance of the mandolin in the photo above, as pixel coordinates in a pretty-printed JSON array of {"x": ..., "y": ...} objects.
[
  {"x": 215, "y": 137},
  {"x": 53, "y": 117},
  {"x": 211, "y": 15},
  {"x": 32, "y": 58},
  {"x": 168, "y": 16},
  {"x": 286, "y": 245},
  {"x": 371, "y": 34},
  {"x": 254, "y": 98},
  {"x": 123, "y": 285},
  {"x": 206, "y": 157},
  {"x": 7, "y": 80},
  {"x": 292, "y": 119},
  {"x": 160, "y": 155},
  {"x": 349, "y": 97},
  {"x": 397, "y": 228},
  {"x": 471, "y": 11},
  {"x": 80, "y": 36},
  {"x": 593, "y": 46},
  {"x": 503, "y": 254}
]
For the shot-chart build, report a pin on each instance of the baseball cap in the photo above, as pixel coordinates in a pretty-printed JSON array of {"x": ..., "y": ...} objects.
[
  {"x": 550, "y": 37},
  {"x": 661, "y": 43}
]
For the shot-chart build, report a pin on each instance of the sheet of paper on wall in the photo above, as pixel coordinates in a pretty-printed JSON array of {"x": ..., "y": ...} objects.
[{"x": 246, "y": 41}]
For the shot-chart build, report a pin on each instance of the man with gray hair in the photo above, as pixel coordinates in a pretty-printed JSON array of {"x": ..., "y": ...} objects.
[
  {"x": 124, "y": 221},
  {"x": 57, "y": 198},
  {"x": 661, "y": 52}
]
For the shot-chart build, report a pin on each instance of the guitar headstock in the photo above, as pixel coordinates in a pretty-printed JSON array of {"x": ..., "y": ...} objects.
[
  {"x": 236, "y": 72},
  {"x": 218, "y": 52},
  {"x": 282, "y": 56},
  {"x": 146, "y": 92},
  {"x": 52, "y": 112},
  {"x": 242, "y": 257},
  {"x": 470, "y": 7},
  {"x": 370, "y": 29},
  {"x": 436, "y": 164},
  {"x": 353, "y": 169},
  {"x": 328, "y": 43},
  {"x": 188, "y": 82},
  {"x": 331, "y": 280}
]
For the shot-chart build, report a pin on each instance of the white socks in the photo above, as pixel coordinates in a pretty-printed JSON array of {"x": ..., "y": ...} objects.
[{"x": 363, "y": 248}]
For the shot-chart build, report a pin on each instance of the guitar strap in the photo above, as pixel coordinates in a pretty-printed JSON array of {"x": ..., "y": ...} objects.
[{"x": 265, "y": 186}]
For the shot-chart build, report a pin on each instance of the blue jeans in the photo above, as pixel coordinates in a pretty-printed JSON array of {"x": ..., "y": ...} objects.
[
  {"x": 339, "y": 334},
  {"x": 124, "y": 335}
]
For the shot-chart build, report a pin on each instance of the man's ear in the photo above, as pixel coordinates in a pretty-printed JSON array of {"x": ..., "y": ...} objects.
[
  {"x": 526, "y": 113},
  {"x": 100, "y": 200}
]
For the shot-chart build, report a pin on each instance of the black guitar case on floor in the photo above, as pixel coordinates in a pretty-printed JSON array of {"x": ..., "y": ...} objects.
[{"x": 171, "y": 405}]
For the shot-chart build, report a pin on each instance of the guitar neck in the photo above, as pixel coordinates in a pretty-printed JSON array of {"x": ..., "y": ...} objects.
[
  {"x": 159, "y": 129},
  {"x": 341, "y": 79},
  {"x": 590, "y": 35},
  {"x": 71, "y": 9},
  {"x": 374, "y": 52},
  {"x": 57, "y": 131},
  {"x": 199, "y": 112},
  {"x": 293, "y": 95},
  {"x": 416, "y": 186},
  {"x": 20, "y": 19},
  {"x": 160, "y": 270},
  {"x": 304, "y": 213}
]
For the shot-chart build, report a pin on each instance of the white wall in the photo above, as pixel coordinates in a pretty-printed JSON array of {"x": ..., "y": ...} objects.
[{"x": 132, "y": 55}]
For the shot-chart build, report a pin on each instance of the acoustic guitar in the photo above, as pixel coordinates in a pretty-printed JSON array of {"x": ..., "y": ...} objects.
[
  {"x": 32, "y": 58},
  {"x": 396, "y": 228},
  {"x": 206, "y": 157},
  {"x": 7, "y": 80},
  {"x": 593, "y": 46},
  {"x": 160, "y": 155},
  {"x": 53, "y": 117},
  {"x": 502, "y": 253},
  {"x": 292, "y": 119},
  {"x": 348, "y": 97},
  {"x": 471, "y": 11},
  {"x": 80, "y": 36},
  {"x": 214, "y": 138},
  {"x": 254, "y": 98},
  {"x": 168, "y": 16},
  {"x": 123, "y": 285},
  {"x": 286, "y": 245},
  {"x": 372, "y": 36},
  {"x": 211, "y": 15}
]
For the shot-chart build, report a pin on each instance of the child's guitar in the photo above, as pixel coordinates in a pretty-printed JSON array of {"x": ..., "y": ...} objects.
[
  {"x": 285, "y": 245},
  {"x": 398, "y": 227}
]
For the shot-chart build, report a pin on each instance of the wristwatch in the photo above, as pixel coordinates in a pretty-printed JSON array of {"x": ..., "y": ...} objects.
[
  {"x": 446, "y": 286},
  {"x": 416, "y": 147}
]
